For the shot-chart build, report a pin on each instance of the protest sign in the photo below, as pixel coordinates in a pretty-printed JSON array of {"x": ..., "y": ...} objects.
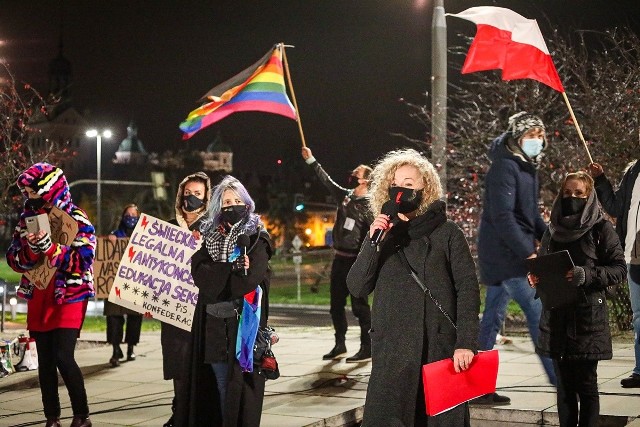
[
  {"x": 105, "y": 264},
  {"x": 154, "y": 274},
  {"x": 63, "y": 231}
]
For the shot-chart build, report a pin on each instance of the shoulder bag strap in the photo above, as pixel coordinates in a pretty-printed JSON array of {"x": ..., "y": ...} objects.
[{"x": 425, "y": 289}]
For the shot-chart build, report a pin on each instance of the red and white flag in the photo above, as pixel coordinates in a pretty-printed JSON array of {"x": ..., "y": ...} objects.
[{"x": 508, "y": 41}]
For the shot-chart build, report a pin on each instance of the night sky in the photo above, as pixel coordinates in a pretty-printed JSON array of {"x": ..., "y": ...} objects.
[{"x": 353, "y": 60}]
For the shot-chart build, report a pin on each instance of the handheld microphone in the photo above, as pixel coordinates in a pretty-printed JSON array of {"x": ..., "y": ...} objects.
[
  {"x": 390, "y": 208},
  {"x": 243, "y": 242}
]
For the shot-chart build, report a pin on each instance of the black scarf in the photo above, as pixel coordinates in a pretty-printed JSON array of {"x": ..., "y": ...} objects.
[
  {"x": 571, "y": 228},
  {"x": 422, "y": 225}
]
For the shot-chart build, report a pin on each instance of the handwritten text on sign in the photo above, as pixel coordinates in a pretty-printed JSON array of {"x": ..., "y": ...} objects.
[
  {"x": 105, "y": 265},
  {"x": 63, "y": 231},
  {"x": 154, "y": 275}
]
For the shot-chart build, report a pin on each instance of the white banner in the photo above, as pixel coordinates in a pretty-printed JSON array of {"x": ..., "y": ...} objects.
[{"x": 154, "y": 275}]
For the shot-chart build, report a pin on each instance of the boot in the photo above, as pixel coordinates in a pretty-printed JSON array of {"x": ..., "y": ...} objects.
[
  {"x": 363, "y": 355},
  {"x": 340, "y": 349},
  {"x": 130, "y": 354},
  {"x": 116, "y": 356},
  {"x": 81, "y": 421},
  {"x": 53, "y": 422}
]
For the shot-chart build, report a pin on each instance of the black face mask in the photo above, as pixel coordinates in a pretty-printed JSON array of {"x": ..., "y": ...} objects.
[
  {"x": 191, "y": 203},
  {"x": 407, "y": 199},
  {"x": 352, "y": 181},
  {"x": 35, "y": 204},
  {"x": 572, "y": 205},
  {"x": 233, "y": 214}
]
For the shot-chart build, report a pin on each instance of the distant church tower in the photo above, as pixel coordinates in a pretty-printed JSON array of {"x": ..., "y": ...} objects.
[
  {"x": 218, "y": 156},
  {"x": 131, "y": 151}
]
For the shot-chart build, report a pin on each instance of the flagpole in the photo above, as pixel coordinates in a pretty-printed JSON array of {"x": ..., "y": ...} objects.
[
  {"x": 575, "y": 122},
  {"x": 293, "y": 94}
]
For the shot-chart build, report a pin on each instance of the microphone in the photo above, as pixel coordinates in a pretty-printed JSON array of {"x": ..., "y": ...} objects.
[
  {"x": 389, "y": 208},
  {"x": 243, "y": 242}
]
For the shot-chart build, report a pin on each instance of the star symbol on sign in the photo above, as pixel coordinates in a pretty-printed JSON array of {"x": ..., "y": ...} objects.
[
  {"x": 145, "y": 294},
  {"x": 155, "y": 298},
  {"x": 165, "y": 302},
  {"x": 125, "y": 286},
  {"x": 136, "y": 291}
]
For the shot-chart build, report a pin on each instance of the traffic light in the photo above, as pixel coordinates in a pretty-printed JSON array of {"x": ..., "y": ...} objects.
[{"x": 298, "y": 202}]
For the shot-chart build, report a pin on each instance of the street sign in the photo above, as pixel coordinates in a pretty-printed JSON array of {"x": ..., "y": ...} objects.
[
  {"x": 297, "y": 259},
  {"x": 296, "y": 243}
]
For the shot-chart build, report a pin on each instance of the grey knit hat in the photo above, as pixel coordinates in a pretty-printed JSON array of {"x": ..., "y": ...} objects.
[{"x": 521, "y": 122}]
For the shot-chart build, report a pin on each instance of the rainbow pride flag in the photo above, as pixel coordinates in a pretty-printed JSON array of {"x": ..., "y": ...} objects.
[{"x": 258, "y": 88}]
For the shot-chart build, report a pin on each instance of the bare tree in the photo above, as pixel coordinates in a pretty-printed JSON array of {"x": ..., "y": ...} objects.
[
  {"x": 601, "y": 75},
  {"x": 19, "y": 146}
]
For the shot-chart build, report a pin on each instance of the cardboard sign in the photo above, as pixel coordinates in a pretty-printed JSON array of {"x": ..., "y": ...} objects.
[
  {"x": 154, "y": 274},
  {"x": 63, "y": 231},
  {"x": 105, "y": 265}
]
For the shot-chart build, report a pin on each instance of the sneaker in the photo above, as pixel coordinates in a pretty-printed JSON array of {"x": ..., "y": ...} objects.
[
  {"x": 338, "y": 351},
  {"x": 632, "y": 382},
  {"x": 493, "y": 399},
  {"x": 363, "y": 355}
]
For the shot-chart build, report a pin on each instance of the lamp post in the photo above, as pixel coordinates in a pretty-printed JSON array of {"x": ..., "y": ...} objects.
[
  {"x": 91, "y": 133},
  {"x": 439, "y": 90}
]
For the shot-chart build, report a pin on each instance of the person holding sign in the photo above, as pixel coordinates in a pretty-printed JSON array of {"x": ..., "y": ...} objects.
[
  {"x": 427, "y": 297},
  {"x": 115, "y": 313},
  {"x": 56, "y": 309},
  {"x": 577, "y": 335},
  {"x": 192, "y": 199},
  {"x": 232, "y": 263}
]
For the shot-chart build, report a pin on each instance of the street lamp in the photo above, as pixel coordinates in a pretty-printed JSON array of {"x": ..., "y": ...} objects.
[
  {"x": 439, "y": 90},
  {"x": 93, "y": 133}
]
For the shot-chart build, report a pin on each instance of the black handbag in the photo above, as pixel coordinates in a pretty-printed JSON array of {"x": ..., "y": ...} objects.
[{"x": 225, "y": 309}]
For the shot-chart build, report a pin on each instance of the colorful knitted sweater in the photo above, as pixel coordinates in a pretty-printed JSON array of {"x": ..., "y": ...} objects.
[{"x": 73, "y": 280}]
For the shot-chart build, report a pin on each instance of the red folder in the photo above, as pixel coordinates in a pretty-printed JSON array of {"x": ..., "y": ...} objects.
[{"x": 445, "y": 389}]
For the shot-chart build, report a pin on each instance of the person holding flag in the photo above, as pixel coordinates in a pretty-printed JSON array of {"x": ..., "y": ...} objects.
[
  {"x": 510, "y": 224},
  {"x": 223, "y": 384},
  {"x": 349, "y": 231}
]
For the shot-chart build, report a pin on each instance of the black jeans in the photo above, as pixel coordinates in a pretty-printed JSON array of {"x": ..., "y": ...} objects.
[
  {"x": 577, "y": 379},
  {"x": 56, "y": 351},
  {"x": 115, "y": 329},
  {"x": 339, "y": 292}
]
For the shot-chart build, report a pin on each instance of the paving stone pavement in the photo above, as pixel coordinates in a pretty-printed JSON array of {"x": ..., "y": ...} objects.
[{"x": 309, "y": 392}]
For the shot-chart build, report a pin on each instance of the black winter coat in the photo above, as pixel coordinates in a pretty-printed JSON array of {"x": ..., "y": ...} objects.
[
  {"x": 352, "y": 217},
  {"x": 175, "y": 341},
  {"x": 407, "y": 329},
  {"x": 581, "y": 331},
  {"x": 214, "y": 340},
  {"x": 617, "y": 203},
  {"x": 511, "y": 222}
]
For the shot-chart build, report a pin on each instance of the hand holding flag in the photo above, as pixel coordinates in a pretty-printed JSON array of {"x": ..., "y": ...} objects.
[{"x": 514, "y": 44}]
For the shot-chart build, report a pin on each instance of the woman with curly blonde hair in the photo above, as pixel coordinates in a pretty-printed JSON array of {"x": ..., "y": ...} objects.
[{"x": 405, "y": 201}]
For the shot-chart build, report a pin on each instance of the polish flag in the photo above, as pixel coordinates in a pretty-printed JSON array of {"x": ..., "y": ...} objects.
[{"x": 508, "y": 41}]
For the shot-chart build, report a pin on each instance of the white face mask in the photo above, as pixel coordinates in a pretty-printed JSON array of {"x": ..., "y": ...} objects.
[{"x": 532, "y": 147}]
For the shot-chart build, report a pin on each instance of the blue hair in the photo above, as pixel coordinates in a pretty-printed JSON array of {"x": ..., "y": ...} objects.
[{"x": 212, "y": 220}]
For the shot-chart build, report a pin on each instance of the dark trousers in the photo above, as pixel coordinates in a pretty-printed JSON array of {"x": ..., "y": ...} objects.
[
  {"x": 577, "y": 381},
  {"x": 56, "y": 351},
  {"x": 115, "y": 329},
  {"x": 339, "y": 292}
]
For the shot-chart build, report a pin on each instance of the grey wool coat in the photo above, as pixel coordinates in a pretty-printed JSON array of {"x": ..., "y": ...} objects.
[{"x": 408, "y": 329}]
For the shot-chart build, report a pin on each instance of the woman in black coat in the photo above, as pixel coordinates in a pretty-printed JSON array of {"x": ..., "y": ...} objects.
[
  {"x": 576, "y": 336},
  {"x": 408, "y": 329},
  {"x": 225, "y": 390},
  {"x": 192, "y": 199}
]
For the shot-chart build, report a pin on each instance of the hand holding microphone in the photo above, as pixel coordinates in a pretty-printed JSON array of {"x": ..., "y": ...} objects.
[
  {"x": 388, "y": 217},
  {"x": 241, "y": 263}
]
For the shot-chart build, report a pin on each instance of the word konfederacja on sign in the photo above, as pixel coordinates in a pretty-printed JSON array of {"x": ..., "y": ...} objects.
[{"x": 154, "y": 275}]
